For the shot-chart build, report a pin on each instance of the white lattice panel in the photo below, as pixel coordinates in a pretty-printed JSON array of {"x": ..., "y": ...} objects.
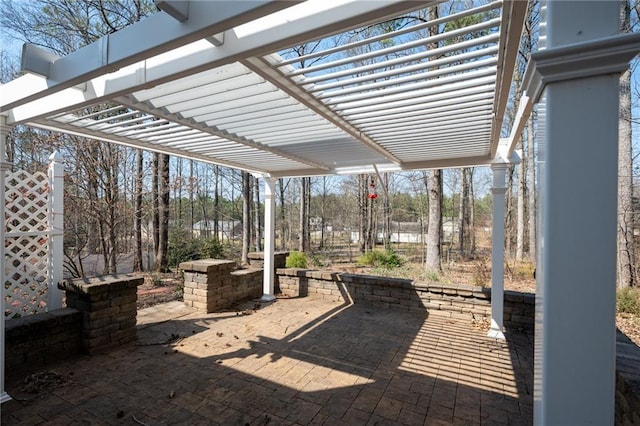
[
  {"x": 26, "y": 198},
  {"x": 26, "y": 279},
  {"x": 26, "y": 243}
]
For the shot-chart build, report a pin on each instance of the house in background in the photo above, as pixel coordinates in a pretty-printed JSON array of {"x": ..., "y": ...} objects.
[{"x": 227, "y": 229}]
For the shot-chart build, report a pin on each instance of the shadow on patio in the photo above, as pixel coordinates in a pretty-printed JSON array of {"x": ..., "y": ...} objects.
[{"x": 295, "y": 361}]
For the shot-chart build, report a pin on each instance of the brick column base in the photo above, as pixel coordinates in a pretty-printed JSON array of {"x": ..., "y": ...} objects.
[{"x": 109, "y": 307}]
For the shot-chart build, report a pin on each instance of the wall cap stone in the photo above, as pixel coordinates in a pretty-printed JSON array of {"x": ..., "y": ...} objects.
[
  {"x": 259, "y": 255},
  {"x": 206, "y": 265},
  {"x": 462, "y": 290},
  {"x": 99, "y": 284}
]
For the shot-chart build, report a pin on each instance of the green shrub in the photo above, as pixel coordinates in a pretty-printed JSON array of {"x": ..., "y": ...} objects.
[
  {"x": 296, "y": 259},
  {"x": 432, "y": 276},
  {"x": 378, "y": 258},
  {"x": 183, "y": 248},
  {"x": 211, "y": 249},
  {"x": 628, "y": 301}
]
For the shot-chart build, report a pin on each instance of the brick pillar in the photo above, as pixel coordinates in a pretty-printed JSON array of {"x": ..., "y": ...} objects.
[
  {"x": 256, "y": 259},
  {"x": 109, "y": 307},
  {"x": 206, "y": 283}
]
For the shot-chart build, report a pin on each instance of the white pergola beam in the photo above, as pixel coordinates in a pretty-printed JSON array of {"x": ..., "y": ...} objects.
[
  {"x": 261, "y": 67},
  {"x": 155, "y": 35},
  {"x": 178, "y": 9},
  {"x": 190, "y": 59},
  {"x": 514, "y": 13}
]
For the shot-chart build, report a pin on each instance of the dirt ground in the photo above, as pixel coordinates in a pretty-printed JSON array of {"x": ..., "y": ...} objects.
[{"x": 159, "y": 288}]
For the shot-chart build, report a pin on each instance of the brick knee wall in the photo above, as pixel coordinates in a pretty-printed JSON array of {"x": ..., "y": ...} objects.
[
  {"x": 43, "y": 338},
  {"x": 447, "y": 300}
]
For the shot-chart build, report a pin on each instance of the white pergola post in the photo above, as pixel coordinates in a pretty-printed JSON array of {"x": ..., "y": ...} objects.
[
  {"x": 4, "y": 167},
  {"x": 498, "y": 190},
  {"x": 575, "y": 299},
  {"x": 56, "y": 230},
  {"x": 269, "y": 238}
]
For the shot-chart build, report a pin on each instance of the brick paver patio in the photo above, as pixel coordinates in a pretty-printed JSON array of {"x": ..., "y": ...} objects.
[{"x": 298, "y": 361}]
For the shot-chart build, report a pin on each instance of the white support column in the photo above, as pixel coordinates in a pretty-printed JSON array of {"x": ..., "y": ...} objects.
[
  {"x": 4, "y": 167},
  {"x": 56, "y": 231},
  {"x": 269, "y": 238},
  {"x": 498, "y": 191},
  {"x": 574, "y": 379}
]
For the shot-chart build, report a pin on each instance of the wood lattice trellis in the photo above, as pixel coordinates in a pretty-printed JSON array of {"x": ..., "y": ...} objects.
[{"x": 30, "y": 269}]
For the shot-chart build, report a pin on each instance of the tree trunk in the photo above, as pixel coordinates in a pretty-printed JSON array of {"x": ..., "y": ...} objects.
[
  {"x": 520, "y": 224},
  {"x": 386, "y": 214},
  {"x": 323, "y": 212},
  {"x": 305, "y": 244},
  {"x": 111, "y": 164},
  {"x": 472, "y": 215},
  {"x": 192, "y": 209},
  {"x": 156, "y": 204},
  {"x": 283, "y": 217},
  {"x": 362, "y": 217},
  {"x": 371, "y": 226},
  {"x": 531, "y": 172},
  {"x": 434, "y": 226},
  {"x": 216, "y": 203},
  {"x": 509, "y": 222},
  {"x": 434, "y": 188},
  {"x": 257, "y": 215},
  {"x": 162, "y": 259},
  {"x": 625, "y": 170},
  {"x": 464, "y": 231},
  {"x": 246, "y": 217},
  {"x": 178, "y": 191},
  {"x": 138, "y": 265}
]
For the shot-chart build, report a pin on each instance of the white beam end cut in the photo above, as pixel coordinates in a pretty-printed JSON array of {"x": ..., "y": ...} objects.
[
  {"x": 36, "y": 60},
  {"x": 216, "y": 39},
  {"x": 177, "y": 9}
]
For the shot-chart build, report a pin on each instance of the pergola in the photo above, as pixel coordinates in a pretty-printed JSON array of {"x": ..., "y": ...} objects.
[{"x": 212, "y": 81}]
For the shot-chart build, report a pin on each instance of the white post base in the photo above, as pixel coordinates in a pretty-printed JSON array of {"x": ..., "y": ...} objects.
[
  {"x": 495, "y": 332},
  {"x": 4, "y": 397},
  {"x": 268, "y": 298}
]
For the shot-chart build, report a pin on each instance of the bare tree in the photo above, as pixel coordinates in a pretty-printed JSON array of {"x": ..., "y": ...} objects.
[
  {"x": 520, "y": 220},
  {"x": 305, "y": 211},
  {"x": 155, "y": 200},
  {"x": 162, "y": 264},
  {"x": 246, "y": 216},
  {"x": 433, "y": 184},
  {"x": 138, "y": 265},
  {"x": 531, "y": 178},
  {"x": 466, "y": 207},
  {"x": 626, "y": 259},
  {"x": 257, "y": 215}
]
